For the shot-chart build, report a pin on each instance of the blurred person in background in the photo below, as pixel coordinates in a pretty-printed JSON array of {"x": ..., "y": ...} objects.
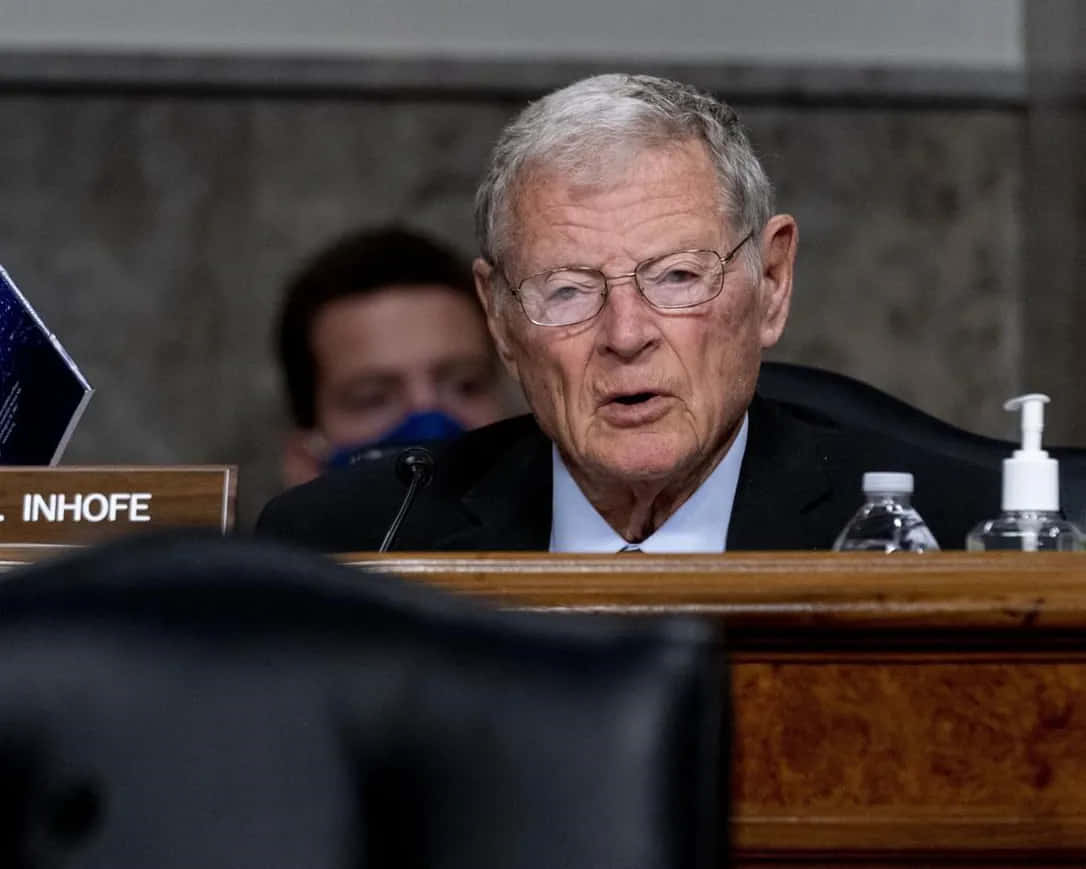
[{"x": 382, "y": 340}]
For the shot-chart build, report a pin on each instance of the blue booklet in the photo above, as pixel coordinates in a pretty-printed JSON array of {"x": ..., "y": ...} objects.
[{"x": 42, "y": 391}]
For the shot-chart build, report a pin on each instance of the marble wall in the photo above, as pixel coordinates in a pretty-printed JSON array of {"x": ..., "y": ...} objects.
[
  {"x": 153, "y": 232},
  {"x": 1054, "y": 211}
]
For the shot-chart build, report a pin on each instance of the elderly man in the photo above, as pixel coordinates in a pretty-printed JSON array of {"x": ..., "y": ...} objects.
[{"x": 633, "y": 271}]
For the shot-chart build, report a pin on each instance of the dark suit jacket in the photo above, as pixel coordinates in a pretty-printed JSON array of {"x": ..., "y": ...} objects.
[{"x": 798, "y": 486}]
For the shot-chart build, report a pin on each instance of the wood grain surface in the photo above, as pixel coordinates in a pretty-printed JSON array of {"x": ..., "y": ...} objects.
[
  {"x": 918, "y": 711},
  {"x": 935, "y": 590}
]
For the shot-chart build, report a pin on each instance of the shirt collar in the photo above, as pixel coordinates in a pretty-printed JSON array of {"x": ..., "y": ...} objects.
[{"x": 699, "y": 525}]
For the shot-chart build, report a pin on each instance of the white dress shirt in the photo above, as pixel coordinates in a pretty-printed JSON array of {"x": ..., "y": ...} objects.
[{"x": 699, "y": 525}]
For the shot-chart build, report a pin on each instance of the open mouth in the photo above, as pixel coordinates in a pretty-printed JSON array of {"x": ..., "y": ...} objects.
[
  {"x": 634, "y": 409},
  {"x": 636, "y": 398}
]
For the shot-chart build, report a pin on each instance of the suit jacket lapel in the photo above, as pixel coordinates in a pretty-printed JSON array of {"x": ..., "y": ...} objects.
[
  {"x": 782, "y": 483},
  {"x": 782, "y": 500},
  {"x": 508, "y": 507}
]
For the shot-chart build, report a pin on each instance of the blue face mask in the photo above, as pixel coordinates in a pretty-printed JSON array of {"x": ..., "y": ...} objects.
[{"x": 426, "y": 425}]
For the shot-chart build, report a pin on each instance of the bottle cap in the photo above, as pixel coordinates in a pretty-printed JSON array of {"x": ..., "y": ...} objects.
[
  {"x": 887, "y": 483},
  {"x": 1031, "y": 479}
]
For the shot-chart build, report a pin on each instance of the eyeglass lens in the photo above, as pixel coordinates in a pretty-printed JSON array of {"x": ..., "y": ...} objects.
[{"x": 677, "y": 280}]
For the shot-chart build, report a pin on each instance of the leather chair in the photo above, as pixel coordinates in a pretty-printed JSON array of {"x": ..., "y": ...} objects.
[
  {"x": 845, "y": 401},
  {"x": 224, "y": 703}
]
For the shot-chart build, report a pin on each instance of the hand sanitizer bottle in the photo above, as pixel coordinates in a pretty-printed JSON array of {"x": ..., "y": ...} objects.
[{"x": 1031, "y": 517}]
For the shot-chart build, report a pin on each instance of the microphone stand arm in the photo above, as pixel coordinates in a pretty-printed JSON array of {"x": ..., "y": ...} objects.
[{"x": 415, "y": 468}]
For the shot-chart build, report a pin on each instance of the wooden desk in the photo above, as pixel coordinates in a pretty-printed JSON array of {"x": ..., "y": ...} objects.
[
  {"x": 889, "y": 711},
  {"x": 904, "y": 710}
]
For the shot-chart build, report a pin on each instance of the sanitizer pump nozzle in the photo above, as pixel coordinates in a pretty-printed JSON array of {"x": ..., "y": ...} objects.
[
  {"x": 1031, "y": 479},
  {"x": 1031, "y": 493}
]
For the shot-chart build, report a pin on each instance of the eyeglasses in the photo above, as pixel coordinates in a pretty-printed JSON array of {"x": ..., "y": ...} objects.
[{"x": 572, "y": 294}]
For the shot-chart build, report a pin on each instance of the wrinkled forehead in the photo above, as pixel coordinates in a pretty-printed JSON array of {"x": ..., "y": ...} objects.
[{"x": 590, "y": 171}]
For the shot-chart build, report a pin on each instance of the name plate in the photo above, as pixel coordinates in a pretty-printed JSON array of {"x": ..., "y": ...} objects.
[{"x": 76, "y": 505}]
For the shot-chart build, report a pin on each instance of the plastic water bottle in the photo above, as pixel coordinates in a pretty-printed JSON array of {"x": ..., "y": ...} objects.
[{"x": 887, "y": 521}]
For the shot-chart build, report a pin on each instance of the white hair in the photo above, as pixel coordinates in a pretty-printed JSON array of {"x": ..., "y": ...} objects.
[{"x": 595, "y": 124}]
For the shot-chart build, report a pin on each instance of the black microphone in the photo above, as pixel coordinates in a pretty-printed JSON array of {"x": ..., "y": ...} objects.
[{"x": 415, "y": 469}]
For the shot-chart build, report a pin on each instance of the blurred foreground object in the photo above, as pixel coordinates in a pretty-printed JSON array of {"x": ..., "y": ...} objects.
[{"x": 221, "y": 703}]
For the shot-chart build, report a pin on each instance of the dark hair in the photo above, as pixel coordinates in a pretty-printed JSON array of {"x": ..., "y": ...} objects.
[{"x": 359, "y": 263}]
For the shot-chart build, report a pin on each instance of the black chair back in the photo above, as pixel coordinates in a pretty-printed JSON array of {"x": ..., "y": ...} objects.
[
  {"x": 849, "y": 402},
  {"x": 221, "y": 703}
]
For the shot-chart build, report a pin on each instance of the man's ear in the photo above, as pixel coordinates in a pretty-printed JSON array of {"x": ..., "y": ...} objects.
[
  {"x": 778, "y": 241},
  {"x": 301, "y": 462},
  {"x": 485, "y": 280}
]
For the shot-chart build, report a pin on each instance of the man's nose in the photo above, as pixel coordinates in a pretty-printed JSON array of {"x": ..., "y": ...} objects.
[
  {"x": 628, "y": 323},
  {"x": 422, "y": 394}
]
